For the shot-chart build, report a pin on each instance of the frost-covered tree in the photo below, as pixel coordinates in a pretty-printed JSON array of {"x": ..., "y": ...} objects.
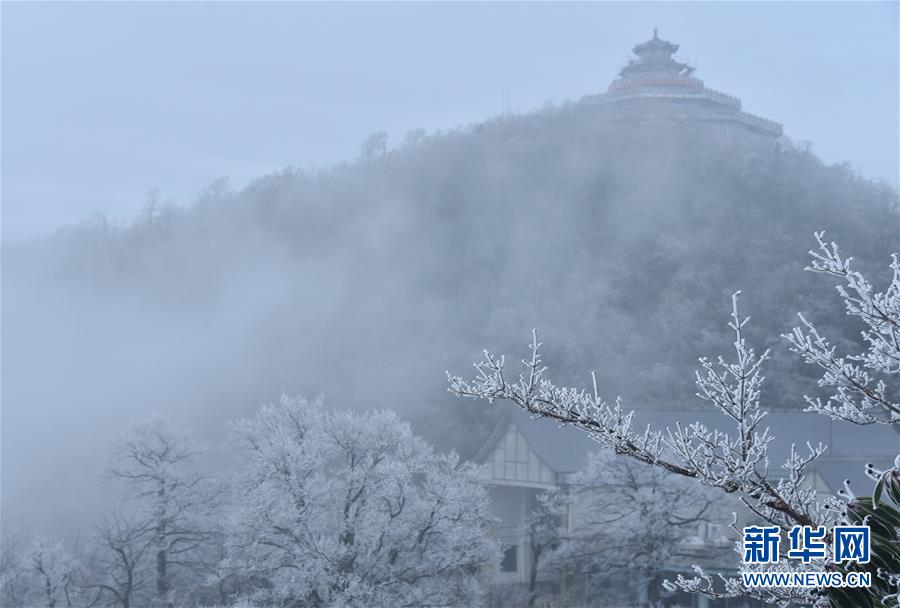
[
  {"x": 736, "y": 461},
  {"x": 217, "y": 581},
  {"x": 414, "y": 137},
  {"x": 54, "y": 575},
  {"x": 860, "y": 381},
  {"x": 14, "y": 574},
  {"x": 122, "y": 543},
  {"x": 41, "y": 572},
  {"x": 156, "y": 461},
  {"x": 657, "y": 515},
  {"x": 374, "y": 145},
  {"x": 544, "y": 528},
  {"x": 341, "y": 508}
]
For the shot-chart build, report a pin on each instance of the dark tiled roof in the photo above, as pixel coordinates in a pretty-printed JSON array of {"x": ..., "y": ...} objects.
[{"x": 565, "y": 450}]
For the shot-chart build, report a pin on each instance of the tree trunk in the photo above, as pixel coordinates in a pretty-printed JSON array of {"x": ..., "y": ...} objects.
[
  {"x": 48, "y": 588},
  {"x": 162, "y": 554},
  {"x": 643, "y": 590},
  {"x": 162, "y": 578},
  {"x": 532, "y": 575}
]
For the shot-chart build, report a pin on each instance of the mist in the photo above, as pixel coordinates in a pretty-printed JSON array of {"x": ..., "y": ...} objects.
[
  {"x": 364, "y": 283},
  {"x": 112, "y": 101},
  {"x": 137, "y": 282}
]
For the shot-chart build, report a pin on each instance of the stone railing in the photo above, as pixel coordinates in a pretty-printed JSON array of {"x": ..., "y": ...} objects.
[
  {"x": 763, "y": 123},
  {"x": 719, "y": 96}
]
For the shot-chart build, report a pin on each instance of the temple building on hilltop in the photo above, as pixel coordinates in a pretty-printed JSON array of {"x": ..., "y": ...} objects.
[{"x": 656, "y": 87}]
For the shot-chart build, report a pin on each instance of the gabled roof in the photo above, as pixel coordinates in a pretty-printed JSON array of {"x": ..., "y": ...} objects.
[{"x": 565, "y": 450}]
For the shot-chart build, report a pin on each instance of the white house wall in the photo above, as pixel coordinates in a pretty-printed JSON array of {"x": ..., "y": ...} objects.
[{"x": 513, "y": 461}]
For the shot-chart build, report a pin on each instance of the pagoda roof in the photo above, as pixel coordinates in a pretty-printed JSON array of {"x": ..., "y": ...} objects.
[
  {"x": 655, "y": 44},
  {"x": 656, "y": 76}
]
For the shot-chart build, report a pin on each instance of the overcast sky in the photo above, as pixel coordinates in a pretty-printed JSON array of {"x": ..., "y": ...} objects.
[{"x": 103, "y": 102}]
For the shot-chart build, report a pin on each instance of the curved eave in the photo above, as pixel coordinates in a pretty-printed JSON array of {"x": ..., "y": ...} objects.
[
  {"x": 716, "y": 110},
  {"x": 655, "y": 45},
  {"x": 650, "y": 91}
]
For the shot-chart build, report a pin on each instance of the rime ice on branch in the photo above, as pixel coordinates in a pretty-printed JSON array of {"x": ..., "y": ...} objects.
[
  {"x": 859, "y": 381},
  {"x": 353, "y": 509},
  {"x": 736, "y": 460}
]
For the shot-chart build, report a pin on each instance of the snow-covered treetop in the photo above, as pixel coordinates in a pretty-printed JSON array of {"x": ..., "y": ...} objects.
[
  {"x": 736, "y": 460},
  {"x": 862, "y": 395}
]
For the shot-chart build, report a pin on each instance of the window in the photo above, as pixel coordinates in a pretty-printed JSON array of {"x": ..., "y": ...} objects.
[{"x": 510, "y": 561}]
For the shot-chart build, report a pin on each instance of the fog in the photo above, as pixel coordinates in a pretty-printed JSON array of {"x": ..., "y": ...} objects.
[
  {"x": 314, "y": 271},
  {"x": 104, "y": 102}
]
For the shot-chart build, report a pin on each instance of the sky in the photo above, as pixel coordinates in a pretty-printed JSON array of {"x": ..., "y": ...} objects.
[{"x": 104, "y": 102}]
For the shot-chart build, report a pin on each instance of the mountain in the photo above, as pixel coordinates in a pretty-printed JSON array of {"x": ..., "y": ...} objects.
[{"x": 621, "y": 241}]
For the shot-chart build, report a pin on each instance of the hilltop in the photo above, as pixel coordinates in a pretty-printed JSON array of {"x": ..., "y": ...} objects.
[{"x": 620, "y": 242}]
